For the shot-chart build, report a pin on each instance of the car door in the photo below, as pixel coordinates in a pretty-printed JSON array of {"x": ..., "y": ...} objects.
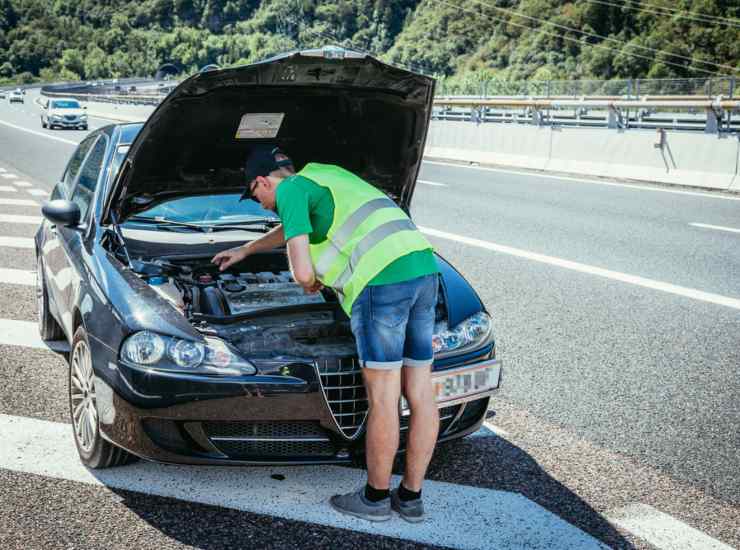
[
  {"x": 53, "y": 250},
  {"x": 72, "y": 266}
]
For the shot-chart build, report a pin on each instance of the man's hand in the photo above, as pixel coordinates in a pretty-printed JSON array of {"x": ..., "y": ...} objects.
[
  {"x": 315, "y": 287},
  {"x": 229, "y": 257}
]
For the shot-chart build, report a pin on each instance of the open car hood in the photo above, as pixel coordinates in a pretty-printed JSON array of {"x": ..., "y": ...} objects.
[{"x": 326, "y": 105}]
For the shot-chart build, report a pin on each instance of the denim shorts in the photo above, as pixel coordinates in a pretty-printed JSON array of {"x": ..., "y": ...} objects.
[{"x": 393, "y": 324}]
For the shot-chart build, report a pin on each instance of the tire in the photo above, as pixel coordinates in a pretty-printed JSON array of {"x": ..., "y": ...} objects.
[
  {"x": 49, "y": 329},
  {"x": 95, "y": 452},
  {"x": 84, "y": 128},
  {"x": 43, "y": 124}
]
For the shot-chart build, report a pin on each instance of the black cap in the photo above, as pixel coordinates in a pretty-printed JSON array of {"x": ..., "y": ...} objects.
[{"x": 260, "y": 162}]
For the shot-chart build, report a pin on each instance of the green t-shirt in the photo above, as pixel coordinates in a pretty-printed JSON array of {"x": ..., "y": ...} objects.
[{"x": 306, "y": 208}]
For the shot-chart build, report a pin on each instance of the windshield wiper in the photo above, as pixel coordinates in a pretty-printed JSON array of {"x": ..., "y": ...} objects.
[{"x": 259, "y": 224}]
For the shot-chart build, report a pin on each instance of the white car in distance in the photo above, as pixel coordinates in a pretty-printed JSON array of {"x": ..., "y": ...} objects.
[
  {"x": 63, "y": 113},
  {"x": 16, "y": 96}
]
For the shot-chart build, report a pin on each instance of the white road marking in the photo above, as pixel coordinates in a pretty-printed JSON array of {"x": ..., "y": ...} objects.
[
  {"x": 37, "y": 192},
  {"x": 26, "y": 334},
  {"x": 434, "y": 183},
  {"x": 8, "y": 189},
  {"x": 661, "y": 530},
  {"x": 581, "y": 180},
  {"x": 9, "y": 176},
  {"x": 22, "y": 129},
  {"x": 2, "y": 170},
  {"x": 18, "y": 202},
  {"x": 17, "y": 242},
  {"x": 488, "y": 430},
  {"x": 21, "y": 183},
  {"x": 717, "y": 227},
  {"x": 16, "y": 218},
  {"x": 459, "y": 516},
  {"x": 17, "y": 277},
  {"x": 591, "y": 270}
]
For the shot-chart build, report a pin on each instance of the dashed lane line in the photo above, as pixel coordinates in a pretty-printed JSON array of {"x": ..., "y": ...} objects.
[
  {"x": 717, "y": 227},
  {"x": 26, "y": 334},
  {"x": 18, "y": 202},
  {"x": 17, "y": 276},
  {"x": 17, "y": 218},
  {"x": 17, "y": 242},
  {"x": 459, "y": 516},
  {"x": 661, "y": 530},
  {"x": 591, "y": 270},
  {"x": 34, "y": 132}
]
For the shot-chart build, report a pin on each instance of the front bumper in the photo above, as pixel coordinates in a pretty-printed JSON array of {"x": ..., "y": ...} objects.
[
  {"x": 298, "y": 413},
  {"x": 68, "y": 123}
]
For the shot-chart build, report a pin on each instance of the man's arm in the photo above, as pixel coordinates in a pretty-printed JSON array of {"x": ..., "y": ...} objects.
[
  {"x": 300, "y": 263},
  {"x": 272, "y": 239}
]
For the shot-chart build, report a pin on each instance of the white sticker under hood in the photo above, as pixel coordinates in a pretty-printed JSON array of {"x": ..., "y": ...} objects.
[{"x": 259, "y": 125}]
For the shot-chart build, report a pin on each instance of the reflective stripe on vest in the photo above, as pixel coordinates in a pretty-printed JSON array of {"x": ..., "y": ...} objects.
[{"x": 341, "y": 237}]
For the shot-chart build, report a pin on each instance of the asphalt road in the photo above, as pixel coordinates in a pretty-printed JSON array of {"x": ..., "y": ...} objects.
[{"x": 619, "y": 324}]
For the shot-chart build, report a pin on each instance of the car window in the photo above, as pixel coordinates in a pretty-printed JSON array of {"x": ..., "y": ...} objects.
[
  {"x": 88, "y": 178},
  {"x": 65, "y": 104},
  {"x": 73, "y": 167},
  {"x": 208, "y": 209}
]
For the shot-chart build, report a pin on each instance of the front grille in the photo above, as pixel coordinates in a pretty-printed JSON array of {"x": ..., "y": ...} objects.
[
  {"x": 286, "y": 430},
  {"x": 269, "y": 440},
  {"x": 70, "y": 117},
  {"x": 275, "y": 449},
  {"x": 344, "y": 390}
]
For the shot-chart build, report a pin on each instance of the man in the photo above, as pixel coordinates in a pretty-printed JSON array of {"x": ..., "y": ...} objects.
[{"x": 344, "y": 233}]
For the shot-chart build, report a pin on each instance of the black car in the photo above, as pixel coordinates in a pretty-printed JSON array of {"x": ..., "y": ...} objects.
[{"x": 175, "y": 362}]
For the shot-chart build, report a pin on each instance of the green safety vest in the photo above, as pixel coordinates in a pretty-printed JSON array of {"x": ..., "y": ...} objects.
[{"x": 368, "y": 232}]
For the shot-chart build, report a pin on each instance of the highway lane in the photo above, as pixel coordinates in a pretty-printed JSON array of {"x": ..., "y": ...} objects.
[{"x": 596, "y": 357}]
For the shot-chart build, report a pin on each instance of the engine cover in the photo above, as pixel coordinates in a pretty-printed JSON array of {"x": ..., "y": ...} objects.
[{"x": 249, "y": 292}]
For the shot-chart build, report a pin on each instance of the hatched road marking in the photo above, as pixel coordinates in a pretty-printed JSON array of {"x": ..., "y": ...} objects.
[
  {"x": 21, "y": 183},
  {"x": 460, "y": 516},
  {"x": 26, "y": 334},
  {"x": 8, "y": 189},
  {"x": 17, "y": 276},
  {"x": 9, "y": 176},
  {"x": 17, "y": 218},
  {"x": 18, "y": 202},
  {"x": 661, "y": 530},
  {"x": 37, "y": 192},
  {"x": 591, "y": 270},
  {"x": 17, "y": 242}
]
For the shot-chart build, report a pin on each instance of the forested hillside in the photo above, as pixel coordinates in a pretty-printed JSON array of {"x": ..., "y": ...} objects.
[{"x": 506, "y": 39}]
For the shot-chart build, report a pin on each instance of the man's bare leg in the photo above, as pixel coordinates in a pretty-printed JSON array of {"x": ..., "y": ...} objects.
[
  {"x": 383, "y": 391},
  {"x": 424, "y": 425}
]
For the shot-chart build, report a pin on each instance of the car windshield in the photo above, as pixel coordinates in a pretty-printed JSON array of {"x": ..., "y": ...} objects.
[
  {"x": 65, "y": 105},
  {"x": 208, "y": 209}
]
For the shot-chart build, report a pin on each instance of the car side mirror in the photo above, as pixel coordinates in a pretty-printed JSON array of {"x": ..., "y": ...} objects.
[{"x": 62, "y": 212}]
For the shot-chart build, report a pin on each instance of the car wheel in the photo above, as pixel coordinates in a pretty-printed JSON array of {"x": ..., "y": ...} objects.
[
  {"x": 43, "y": 124},
  {"x": 49, "y": 329},
  {"x": 95, "y": 452}
]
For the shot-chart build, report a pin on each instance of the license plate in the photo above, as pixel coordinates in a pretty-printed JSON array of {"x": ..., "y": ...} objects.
[{"x": 464, "y": 383}]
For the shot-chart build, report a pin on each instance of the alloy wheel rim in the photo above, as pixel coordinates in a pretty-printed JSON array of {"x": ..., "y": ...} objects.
[{"x": 82, "y": 397}]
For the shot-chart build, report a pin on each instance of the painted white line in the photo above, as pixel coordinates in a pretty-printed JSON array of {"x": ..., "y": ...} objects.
[
  {"x": 22, "y": 129},
  {"x": 9, "y": 176},
  {"x": 26, "y": 334},
  {"x": 459, "y": 516},
  {"x": 591, "y": 270},
  {"x": 661, "y": 530},
  {"x": 581, "y": 180},
  {"x": 2, "y": 170},
  {"x": 17, "y": 277},
  {"x": 21, "y": 183},
  {"x": 8, "y": 189},
  {"x": 496, "y": 429},
  {"x": 17, "y": 242},
  {"x": 433, "y": 183},
  {"x": 489, "y": 430},
  {"x": 717, "y": 227},
  {"x": 37, "y": 192},
  {"x": 16, "y": 218},
  {"x": 18, "y": 202}
]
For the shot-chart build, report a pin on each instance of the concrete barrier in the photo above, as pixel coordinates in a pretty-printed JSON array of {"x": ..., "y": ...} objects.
[
  {"x": 699, "y": 160},
  {"x": 504, "y": 144}
]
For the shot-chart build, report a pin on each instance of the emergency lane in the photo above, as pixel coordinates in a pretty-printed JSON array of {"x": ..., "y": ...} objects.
[{"x": 477, "y": 462}]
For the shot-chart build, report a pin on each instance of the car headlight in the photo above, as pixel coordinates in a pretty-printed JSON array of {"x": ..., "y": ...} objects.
[
  {"x": 473, "y": 332},
  {"x": 56, "y": 117},
  {"x": 156, "y": 351}
]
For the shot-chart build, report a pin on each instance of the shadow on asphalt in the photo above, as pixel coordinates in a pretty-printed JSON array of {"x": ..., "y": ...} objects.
[{"x": 492, "y": 462}]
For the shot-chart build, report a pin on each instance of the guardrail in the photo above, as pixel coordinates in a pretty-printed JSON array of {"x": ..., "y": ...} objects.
[{"x": 711, "y": 115}]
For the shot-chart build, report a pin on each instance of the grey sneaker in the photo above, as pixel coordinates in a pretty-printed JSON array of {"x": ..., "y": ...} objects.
[
  {"x": 410, "y": 510},
  {"x": 355, "y": 504}
]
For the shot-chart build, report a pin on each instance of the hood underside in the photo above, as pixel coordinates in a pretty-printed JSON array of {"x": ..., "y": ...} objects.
[{"x": 354, "y": 111}]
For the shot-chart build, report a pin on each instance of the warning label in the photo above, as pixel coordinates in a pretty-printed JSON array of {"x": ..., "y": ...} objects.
[{"x": 259, "y": 125}]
